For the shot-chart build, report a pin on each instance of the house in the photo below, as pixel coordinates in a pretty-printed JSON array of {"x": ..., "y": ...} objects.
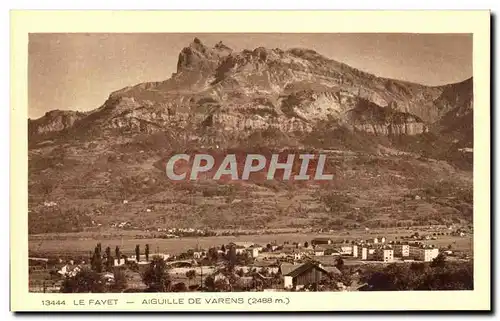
[
  {"x": 258, "y": 247},
  {"x": 385, "y": 254},
  {"x": 382, "y": 239},
  {"x": 262, "y": 279},
  {"x": 355, "y": 250},
  {"x": 69, "y": 270},
  {"x": 119, "y": 262},
  {"x": 364, "y": 253},
  {"x": 375, "y": 240},
  {"x": 304, "y": 275},
  {"x": 424, "y": 253},
  {"x": 319, "y": 251},
  {"x": 321, "y": 241},
  {"x": 198, "y": 254},
  {"x": 401, "y": 249},
  {"x": 240, "y": 249},
  {"x": 108, "y": 277},
  {"x": 163, "y": 256},
  {"x": 297, "y": 253},
  {"x": 254, "y": 252},
  {"x": 346, "y": 249},
  {"x": 124, "y": 224},
  {"x": 242, "y": 244},
  {"x": 332, "y": 251}
]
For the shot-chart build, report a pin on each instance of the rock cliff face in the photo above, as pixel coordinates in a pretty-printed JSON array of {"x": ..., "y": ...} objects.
[
  {"x": 292, "y": 90},
  {"x": 54, "y": 121}
]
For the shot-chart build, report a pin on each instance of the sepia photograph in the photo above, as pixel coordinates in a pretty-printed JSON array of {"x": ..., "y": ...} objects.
[
  {"x": 221, "y": 165},
  {"x": 391, "y": 114}
]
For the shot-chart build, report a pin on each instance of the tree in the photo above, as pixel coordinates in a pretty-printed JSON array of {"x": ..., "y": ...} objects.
[
  {"x": 85, "y": 281},
  {"x": 420, "y": 276},
  {"x": 257, "y": 283},
  {"x": 180, "y": 287},
  {"x": 306, "y": 244},
  {"x": 240, "y": 272},
  {"x": 210, "y": 283},
  {"x": 191, "y": 274},
  {"x": 231, "y": 258},
  {"x": 439, "y": 261},
  {"x": 146, "y": 252},
  {"x": 110, "y": 262},
  {"x": 212, "y": 254},
  {"x": 109, "y": 259},
  {"x": 244, "y": 259},
  {"x": 117, "y": 253},
  {"x": 156, "y": 277},
  {"x": 339, "y": 264},
  {"x": 133, "y": 266},
  {"x": 96, "y": 262},
  {"x": 137, "y": 253},
  {"x": 449, "y": 246},
  {"x": 223, "y": 248},
  {"x": 222, "y": 285},
  {"x": 120, "y": 280}
]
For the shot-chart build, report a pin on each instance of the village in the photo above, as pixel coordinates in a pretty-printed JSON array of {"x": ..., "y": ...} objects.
[{"x": 322, "y": 264}]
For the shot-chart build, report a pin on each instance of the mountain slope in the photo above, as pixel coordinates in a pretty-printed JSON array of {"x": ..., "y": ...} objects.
[{"x": 387, "y": 141}]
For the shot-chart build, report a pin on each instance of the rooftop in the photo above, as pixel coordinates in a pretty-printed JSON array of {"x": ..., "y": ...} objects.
[{"x": 304, "y": 268}]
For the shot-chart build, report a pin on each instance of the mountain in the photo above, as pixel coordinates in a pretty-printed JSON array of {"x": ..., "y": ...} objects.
[
  {"x": 261, "y": 88},
  {"x": 261, "y": 98},
  {"x": 53, "y": 121}
]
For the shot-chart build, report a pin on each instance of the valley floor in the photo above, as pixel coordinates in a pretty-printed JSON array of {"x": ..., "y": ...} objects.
[{"x": 69, "y": 244}]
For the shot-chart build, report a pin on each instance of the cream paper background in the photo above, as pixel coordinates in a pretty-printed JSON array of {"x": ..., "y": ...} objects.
[{"x": 476, "y": 22}]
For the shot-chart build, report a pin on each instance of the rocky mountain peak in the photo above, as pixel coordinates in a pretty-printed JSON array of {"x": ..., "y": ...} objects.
[
  {"x": 198, "y": 57},
  {"x": 239, "y": 92}
]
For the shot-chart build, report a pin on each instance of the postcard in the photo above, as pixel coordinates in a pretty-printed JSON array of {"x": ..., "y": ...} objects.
[{"x": 250, "y": 160}]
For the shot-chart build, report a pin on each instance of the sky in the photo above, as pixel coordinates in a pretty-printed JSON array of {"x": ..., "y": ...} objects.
[{"x": 79, "y": 71}]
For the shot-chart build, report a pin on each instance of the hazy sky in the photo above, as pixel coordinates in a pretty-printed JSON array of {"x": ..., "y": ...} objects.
[{"x": 79, "y": 71}]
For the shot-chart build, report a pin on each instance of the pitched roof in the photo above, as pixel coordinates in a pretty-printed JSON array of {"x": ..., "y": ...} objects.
[
  {"x": 243, "y": 244},
  {"x": 286, "y": 268},
  {"x": 332, "y": 270},
  {"x": 322, "y": 239},
  {"x": 304, "y": 268}
]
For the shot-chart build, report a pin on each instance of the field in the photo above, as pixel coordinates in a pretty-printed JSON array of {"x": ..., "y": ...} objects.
[{"x": 82, "y": 246}]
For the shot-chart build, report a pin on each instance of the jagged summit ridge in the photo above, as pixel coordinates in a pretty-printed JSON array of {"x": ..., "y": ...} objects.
[{"x": 198, "y": 57}]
